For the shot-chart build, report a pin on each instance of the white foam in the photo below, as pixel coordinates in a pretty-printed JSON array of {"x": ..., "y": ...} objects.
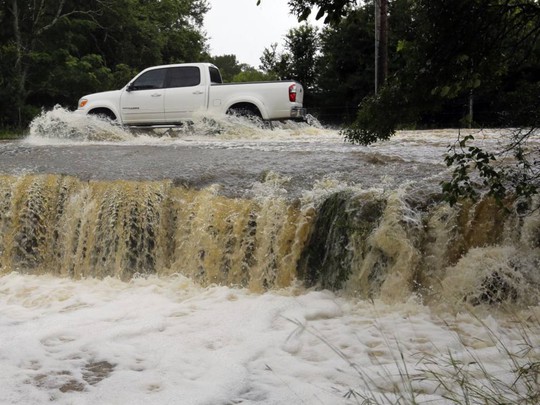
[{"x": 168, "y": 341}]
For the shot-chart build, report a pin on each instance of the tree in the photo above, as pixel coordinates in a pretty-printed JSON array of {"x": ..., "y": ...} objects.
[
  {"x": 30, "y": 23},
  {"x": 250, "y": 74},
  {"x": 488, "y": 49},
  {"x": 344, "y": 63},
  {"x": 345, "y": 68},
  {"x": 228, "y": 66},
  {"x": 302, "y": 44},
  {"x": 457, "y": 55},
  {"x": 381, "y": 42},
  {"x": 54, "y": 51},
  {"x": 275, "y": 64},
  {"x": 455, "y": 48},
  {"x": 334, "y": 11}
]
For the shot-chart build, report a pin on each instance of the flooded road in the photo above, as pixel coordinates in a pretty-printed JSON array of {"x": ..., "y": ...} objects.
[
  {"x": 234, "y": 167},
  {"x": 230, "y": 152}
]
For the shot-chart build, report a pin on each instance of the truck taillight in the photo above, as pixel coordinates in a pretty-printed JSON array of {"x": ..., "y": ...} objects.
[{"x": 292, "y": 93}]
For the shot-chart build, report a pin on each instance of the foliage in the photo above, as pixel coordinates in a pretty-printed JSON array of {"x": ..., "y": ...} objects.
[
  {"x": 345, "y": 72},
  {"x": 448, "y": 59},
  {"x": 250, "y": 74},
  {"x": 275, "y": 63},
  {"x": 302, "y": 45},
  {"x": 234, "y": 71},
  {"x": 333, "y": 10},
  {"x": 453, "y": 52},
  {"x": 475, "y": 169},
  {"x": 228, "y": 66},
  {"x": 298, "y": 61},
  {"x": 370, "y": 125},
  {"x": 463, "y": 156},
  {"x": 53, "y": 51},
  {"x": 5, "y": 134}
]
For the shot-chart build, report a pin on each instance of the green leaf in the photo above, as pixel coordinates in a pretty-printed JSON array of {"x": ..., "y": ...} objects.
[{"x": 444, "y": 91}]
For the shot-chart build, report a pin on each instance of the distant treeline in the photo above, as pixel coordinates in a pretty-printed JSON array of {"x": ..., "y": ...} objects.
[{"x": 446, "y": 59}]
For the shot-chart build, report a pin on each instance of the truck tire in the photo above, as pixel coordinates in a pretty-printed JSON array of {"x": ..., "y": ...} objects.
[
  {"x": 245, "y": 110},
  {"x": 249, "y": 112},
  {"x": 104, "y": 114}
]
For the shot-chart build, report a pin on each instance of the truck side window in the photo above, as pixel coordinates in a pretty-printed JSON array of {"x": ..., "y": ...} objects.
[
  {"x": 153, "y": 79},
  {"x": 215, "y": 76},
  {"x": 186, "y": 76}
]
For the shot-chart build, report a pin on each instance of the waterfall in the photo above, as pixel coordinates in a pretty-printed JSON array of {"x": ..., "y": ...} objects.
[{"x": 370, "y": 243}]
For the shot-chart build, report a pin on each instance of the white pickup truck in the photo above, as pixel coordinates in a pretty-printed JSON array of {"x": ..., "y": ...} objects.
[{"x": 172, "y": 94}]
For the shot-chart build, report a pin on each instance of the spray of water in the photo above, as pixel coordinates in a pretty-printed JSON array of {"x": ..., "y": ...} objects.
[{"x": 61, "y": 126}]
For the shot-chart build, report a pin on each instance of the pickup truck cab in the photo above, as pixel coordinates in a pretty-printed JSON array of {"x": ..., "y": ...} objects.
[{"x": 171, "y": 94}]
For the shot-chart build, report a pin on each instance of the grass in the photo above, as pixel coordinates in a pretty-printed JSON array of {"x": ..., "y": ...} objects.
[
  {"x": 6, "y": 134},
  {"x": 521, "y": 385},
  {"x": 456, "y": 376}
]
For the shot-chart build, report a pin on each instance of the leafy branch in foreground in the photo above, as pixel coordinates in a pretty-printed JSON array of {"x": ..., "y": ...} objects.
[{"x": 514, "y": 170}]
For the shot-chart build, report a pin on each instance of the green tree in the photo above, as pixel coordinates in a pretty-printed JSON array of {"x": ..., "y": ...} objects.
[
  {"x": 298, "y": 61},
  {"x": 333, "y": 10},
  {"x": 274, "y": 63},
  {"x": 143, "y": 33},
  {"x": 27, "y": 25},
  {"x": 458, "y": 62},
  {"x": 457, "y": 49},
  {"x": 345, "y": 67},
  {"x": 250, "y": 74},
  {"x": 465, "y": 54},
  {"x": 302, "y": 44},
  {"x": 228, "y": 66},
  {"x": 54, "y": 51}
]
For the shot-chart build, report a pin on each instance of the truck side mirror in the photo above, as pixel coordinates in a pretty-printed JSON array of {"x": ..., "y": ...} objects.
[{"x": 130, "y": 87}]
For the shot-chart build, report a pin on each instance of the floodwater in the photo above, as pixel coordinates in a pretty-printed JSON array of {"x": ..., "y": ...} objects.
[
  {"x": 231, "y": 153},
  {"x": 223, "y": 263}
]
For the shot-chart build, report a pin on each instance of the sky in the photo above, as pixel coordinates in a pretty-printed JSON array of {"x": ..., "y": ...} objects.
[{"x": 242, "y": 28}]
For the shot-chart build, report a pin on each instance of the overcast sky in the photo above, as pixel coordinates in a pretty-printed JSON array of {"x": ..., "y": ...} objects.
[{"x": 242, "y": 28}]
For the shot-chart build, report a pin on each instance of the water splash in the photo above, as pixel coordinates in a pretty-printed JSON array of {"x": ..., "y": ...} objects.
[{"x": 61, "y": 126}]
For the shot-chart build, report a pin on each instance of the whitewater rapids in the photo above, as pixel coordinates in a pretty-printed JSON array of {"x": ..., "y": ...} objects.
[{"x": 223, "y": 263}]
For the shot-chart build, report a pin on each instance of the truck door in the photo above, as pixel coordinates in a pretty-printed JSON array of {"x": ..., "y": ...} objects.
[
  {"x": 185, "y": 93},
  {"x": 142, "y": 101}
]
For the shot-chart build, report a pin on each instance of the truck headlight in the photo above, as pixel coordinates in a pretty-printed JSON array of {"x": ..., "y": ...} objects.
[{"x": 82, "y": 102}]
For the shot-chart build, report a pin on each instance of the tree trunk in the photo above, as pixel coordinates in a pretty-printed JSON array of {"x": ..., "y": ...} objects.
[
  {"x": 40, "y": 19},
  {"x": 20, "y": 97}
]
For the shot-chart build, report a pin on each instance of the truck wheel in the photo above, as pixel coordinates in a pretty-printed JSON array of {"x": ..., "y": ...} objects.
[
  {"x": 104, "y": 114},
  {"x": 247, "y": 111}
]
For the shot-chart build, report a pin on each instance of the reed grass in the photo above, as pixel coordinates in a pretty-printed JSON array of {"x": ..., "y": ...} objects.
[
  {"x": 6, "y": 134},
  {"x": 457, "y": 376}
]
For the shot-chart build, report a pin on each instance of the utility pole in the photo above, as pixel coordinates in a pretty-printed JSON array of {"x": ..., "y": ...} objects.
[
  {"x": 377, "y": 40},
  {"x": 381, "y": 42}
]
